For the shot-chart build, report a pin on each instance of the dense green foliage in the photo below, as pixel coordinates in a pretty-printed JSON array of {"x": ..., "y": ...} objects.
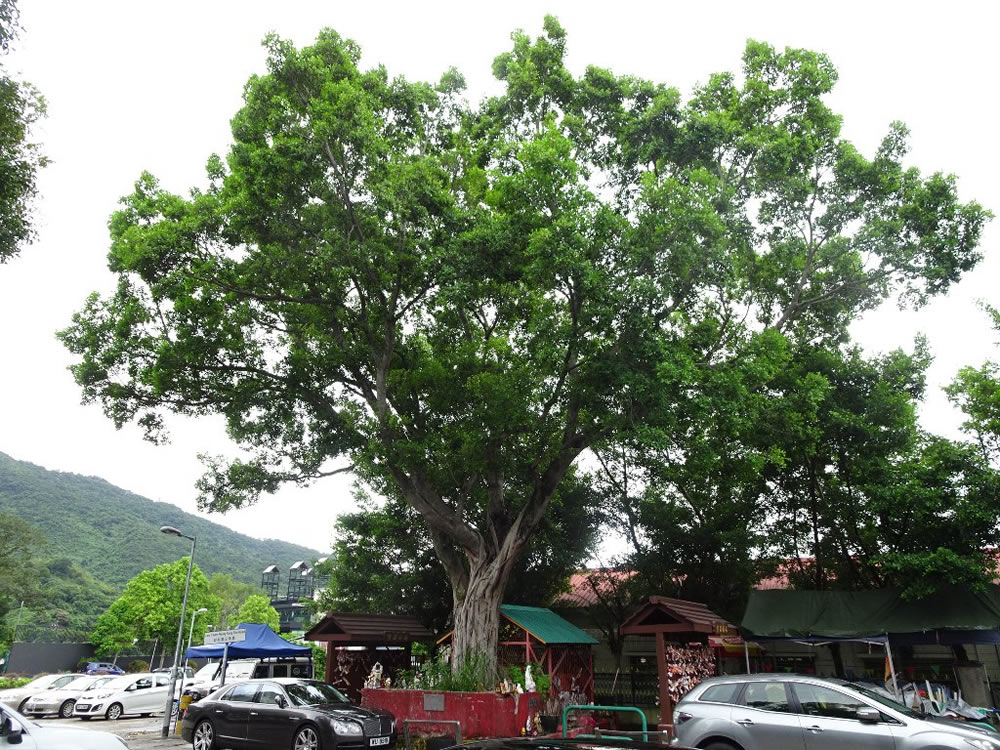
[
  {"x": 20, "y": 159},
  {"x": 461, "y": 300},
  {"x": 828, "y": 481},
  {"x": 231, "y": 594},
  {"x": 257, "y": 608},
  {"x": 86, "y": 518},
  {"x": 20, "y": 545},
  {"x": 150, "y": 609},
  {"x": 86, "y": 525}
]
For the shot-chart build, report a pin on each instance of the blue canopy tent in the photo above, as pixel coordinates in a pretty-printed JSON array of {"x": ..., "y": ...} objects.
[{"x": 261, "y": 643}]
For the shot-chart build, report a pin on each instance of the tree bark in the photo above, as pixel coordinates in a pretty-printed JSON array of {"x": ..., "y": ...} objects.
[{"x": 477, "y": 615}]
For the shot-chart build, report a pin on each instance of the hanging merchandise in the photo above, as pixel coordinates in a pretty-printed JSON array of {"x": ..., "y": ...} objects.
[{"x": 686, "y": 667}]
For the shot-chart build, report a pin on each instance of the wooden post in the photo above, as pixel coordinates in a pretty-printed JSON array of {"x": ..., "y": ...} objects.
[{"x": 666, "y": 705}]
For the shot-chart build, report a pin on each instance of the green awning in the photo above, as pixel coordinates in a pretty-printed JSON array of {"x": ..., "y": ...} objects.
[
  {"x": 545, "y": 625},
  {"x": 853, "y": 614}
]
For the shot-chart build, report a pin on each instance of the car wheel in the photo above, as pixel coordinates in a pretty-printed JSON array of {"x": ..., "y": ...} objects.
[
  {"x": 66, "y": 709},
  {"x": 721, "y": 745},
  {"x": 114, "y": 712},
  {"x": 306, "y": 739},
  {"x": 204, "y": 736}
]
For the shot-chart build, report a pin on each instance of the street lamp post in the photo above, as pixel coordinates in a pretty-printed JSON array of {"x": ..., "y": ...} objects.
[
  {"x": 180, "y": 692},
  {"x": 194, "y": 614},
  {"x": 165, "y": 729}
]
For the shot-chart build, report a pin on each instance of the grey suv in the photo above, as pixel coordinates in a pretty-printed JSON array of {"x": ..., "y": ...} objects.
[{"x": 791, "y": 712}]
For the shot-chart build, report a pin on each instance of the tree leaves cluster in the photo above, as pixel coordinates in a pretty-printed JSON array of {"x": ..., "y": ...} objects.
[
  {"x": 21, "y": 105},
  {"x": 459, "y": 301},
  {"x": 150, "y": 608}
]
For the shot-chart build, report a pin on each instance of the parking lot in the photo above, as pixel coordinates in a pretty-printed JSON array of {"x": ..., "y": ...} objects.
[{"x": 140, "y": 733}]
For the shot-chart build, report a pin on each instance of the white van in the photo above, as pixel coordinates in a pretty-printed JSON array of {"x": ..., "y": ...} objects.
[
  {"x": 143, "y": 693},
  {"x": 208, "y": 678}
]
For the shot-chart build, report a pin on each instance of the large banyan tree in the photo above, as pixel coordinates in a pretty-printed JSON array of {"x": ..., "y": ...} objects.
[{"x": 456, "y": 301}]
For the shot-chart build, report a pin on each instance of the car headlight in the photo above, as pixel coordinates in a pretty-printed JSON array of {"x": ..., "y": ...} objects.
[
  {"x": 984, "y": 744},
  {"x": 350, "y": 728},
  {"x": 104, "y": 695}
]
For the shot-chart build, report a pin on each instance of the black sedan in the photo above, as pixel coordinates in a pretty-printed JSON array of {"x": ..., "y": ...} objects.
[{"x": 284, "y": 713}]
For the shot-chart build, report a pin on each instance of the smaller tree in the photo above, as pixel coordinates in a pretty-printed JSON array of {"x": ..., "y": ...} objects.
[
  {"x": 257, "y": 608},
  {"x": 150, "y": 607},
  {"x": 232, "y": 595}
]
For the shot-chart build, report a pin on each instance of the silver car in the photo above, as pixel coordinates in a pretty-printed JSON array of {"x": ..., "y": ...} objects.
[
  {"x": 791, "y": 712},
  {"x": 62, "y": 700}
]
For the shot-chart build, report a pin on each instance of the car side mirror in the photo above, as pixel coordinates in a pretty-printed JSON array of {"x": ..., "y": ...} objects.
[
  {"x": 282, "y": 703},
  {"x": 8, "y": 732},
  {"x": 867, "y": 715}
]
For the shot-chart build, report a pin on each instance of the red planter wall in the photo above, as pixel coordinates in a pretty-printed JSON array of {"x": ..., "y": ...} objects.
[{"x": 479, "y": 714}]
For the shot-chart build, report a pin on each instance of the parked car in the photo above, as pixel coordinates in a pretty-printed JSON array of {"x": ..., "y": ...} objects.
[
  {"x": 143, "y": 694},
  {"x": 285, "y": 712},
  {"x": 17, "y": 697},
  {"x": 102, "y": 667},
  {"x": 207, "y": 679},
  {"x": 792, "y": 712},
  {"x": 18, "y": 730},
  {"x": 61, "y": 700},
  {"x": 186, "y": 672}
]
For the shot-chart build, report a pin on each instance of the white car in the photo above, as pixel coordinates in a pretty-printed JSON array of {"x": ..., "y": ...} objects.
[
  {"x": 17, "y": 697},
  {"x": 61, "y": 700},
  {"x": 17, "y": 730},
  {"x": 207, "y": 679},
  {"x": 143, "y": 693}
]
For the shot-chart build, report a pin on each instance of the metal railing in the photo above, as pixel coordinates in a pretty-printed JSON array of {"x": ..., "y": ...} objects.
[{"x": 617, "y": 709}]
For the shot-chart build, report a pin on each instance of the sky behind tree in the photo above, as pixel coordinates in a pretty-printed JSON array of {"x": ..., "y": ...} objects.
[{"x": 134, "y": 86}]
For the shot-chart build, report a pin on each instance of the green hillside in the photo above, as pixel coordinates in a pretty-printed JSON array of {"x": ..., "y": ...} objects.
[{"x": 100, "y": 536}]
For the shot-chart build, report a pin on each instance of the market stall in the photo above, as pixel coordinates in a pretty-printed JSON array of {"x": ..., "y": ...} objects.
[{"x": 683, "y": 655}]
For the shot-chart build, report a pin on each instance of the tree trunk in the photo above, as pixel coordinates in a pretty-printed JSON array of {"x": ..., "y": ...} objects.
[{"x": 477, "y": 618}]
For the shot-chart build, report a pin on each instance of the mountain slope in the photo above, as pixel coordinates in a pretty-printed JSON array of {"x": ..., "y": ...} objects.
[{"x": 114, "y": 534}]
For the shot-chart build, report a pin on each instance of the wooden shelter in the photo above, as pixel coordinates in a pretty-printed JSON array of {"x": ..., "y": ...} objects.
[
  {"x": 355, "y": 642},
  {"x": 683, "y": 654},
  {"x": 536, "y": 635}
]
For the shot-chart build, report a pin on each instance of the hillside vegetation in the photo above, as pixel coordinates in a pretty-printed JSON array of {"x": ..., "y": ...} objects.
[{"x": 100, "y": 536}]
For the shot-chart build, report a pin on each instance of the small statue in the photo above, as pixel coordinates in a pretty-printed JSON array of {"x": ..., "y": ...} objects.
[
  {"x": 375, "y": 676},
  {"x": 529, "y": 681},
  {"x": 388, "y": 683}
]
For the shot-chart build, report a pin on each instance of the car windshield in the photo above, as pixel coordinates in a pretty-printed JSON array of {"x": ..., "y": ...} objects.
[
  {"x": 888, "y": 702},
  {"x": 79, "y": 683},
  {"x": 118, "y": 683},
  {"x": 39, "y": 682},
  {"x": 208, "y": 672},
  {"x": 98, "y": 682},
  {"x": 313, "y": 693}
]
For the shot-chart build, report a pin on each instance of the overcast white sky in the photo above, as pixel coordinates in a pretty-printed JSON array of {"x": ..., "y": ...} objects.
[{"x": 135, "y": 85}]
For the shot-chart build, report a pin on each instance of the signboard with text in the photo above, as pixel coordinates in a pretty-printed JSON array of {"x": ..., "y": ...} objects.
[{"x": 225, "y": 636}]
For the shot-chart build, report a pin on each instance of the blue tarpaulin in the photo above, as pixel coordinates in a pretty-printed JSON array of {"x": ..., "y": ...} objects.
[{"x": 261, "y": 643}]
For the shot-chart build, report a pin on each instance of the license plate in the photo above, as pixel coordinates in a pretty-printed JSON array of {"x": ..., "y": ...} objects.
[
  {"x": 376, "y": 741},
  {"x": 82, "y": 707}
]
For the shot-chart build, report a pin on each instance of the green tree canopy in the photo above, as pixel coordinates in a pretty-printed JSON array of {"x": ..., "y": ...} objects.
[
  {"x": 21, "y": 546},
  {"x": 231, "y": 594},
  {"x": 257, "y": 608},
  {"x": 20, "y": 159},
  {"x": 150, "y": 607},
  {"x": 458, "y": 301}
]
